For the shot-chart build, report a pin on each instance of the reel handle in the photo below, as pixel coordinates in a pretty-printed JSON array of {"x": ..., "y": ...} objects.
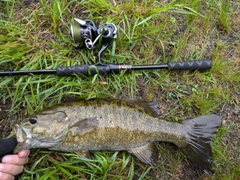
[{"x": 191, "y": 65}]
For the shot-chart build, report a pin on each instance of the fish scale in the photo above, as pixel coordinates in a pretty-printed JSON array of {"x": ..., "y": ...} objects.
[{"x": 131, "y": 125}]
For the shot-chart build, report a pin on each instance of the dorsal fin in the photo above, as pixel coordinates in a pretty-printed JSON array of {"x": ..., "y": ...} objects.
[{"x": 148, "y": 107}]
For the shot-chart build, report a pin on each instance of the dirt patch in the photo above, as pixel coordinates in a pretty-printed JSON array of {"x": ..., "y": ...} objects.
[{"x": 7, "y": 120}]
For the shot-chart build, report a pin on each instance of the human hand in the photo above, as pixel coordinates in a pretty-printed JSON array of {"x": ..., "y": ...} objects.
[{"x": 13, "y": 164}]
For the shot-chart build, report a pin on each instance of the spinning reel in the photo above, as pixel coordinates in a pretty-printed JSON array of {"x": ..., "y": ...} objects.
[{"x": 86, "y": 34}]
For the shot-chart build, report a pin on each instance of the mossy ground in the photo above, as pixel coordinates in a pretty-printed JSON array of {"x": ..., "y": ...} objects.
[{"x": 35, "y": 35}]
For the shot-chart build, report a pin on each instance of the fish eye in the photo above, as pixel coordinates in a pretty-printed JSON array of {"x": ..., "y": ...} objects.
[{"x": 32, "y": 120}]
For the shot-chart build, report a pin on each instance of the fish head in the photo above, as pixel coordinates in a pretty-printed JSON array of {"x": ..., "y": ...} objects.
[{"x": 43, "y": 130}]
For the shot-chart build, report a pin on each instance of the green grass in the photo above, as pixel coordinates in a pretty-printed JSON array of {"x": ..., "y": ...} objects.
[{"x": 149, "y": 32}]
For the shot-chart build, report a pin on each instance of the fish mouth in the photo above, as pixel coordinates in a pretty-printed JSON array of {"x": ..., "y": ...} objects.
[{"x": 21, "y": 134}]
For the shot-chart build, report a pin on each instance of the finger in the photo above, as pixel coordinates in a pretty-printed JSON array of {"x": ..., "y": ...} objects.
[
  {"x": 14, "y": 159},
  {"x": 5, "y": 176},
  {"x": 23, "y": 153},
  {"x": 10, "y": 169}
]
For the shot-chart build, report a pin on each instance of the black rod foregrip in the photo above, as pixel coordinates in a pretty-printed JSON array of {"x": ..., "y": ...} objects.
[
  {"x": 87, "y": 70},
  {"x": 191, "y": 65}
]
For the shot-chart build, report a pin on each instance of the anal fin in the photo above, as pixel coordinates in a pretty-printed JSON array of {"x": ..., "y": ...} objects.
[
  {"x": 147, "y": 154},
  {"x": 83, "y": 154}
]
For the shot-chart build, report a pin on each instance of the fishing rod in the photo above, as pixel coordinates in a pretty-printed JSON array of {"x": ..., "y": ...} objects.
[
  {"x": 86, "y": 34},
  {"x": 90, "y": 70}
]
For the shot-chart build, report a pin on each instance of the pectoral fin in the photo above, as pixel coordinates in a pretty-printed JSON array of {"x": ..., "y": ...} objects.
[
  {"x": 83, "y": 154},
  {"x": 85, "y": 125},
  {"x": 147, "y": 154}
]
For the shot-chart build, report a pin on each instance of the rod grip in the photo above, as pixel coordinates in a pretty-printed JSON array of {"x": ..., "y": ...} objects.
[
  {"x": 87, "y": 70},
  {"x": 191, "y": 65}
]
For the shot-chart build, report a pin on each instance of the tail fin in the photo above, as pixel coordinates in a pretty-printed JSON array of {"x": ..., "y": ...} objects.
[{"x": 199, "y": 149}]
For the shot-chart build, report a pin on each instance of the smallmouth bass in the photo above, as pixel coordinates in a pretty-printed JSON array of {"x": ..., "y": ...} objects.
[{"x": 102, "y": 124}]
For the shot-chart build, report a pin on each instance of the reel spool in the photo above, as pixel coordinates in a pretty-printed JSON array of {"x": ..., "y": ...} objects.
[{"x": 85, "y": 33}]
